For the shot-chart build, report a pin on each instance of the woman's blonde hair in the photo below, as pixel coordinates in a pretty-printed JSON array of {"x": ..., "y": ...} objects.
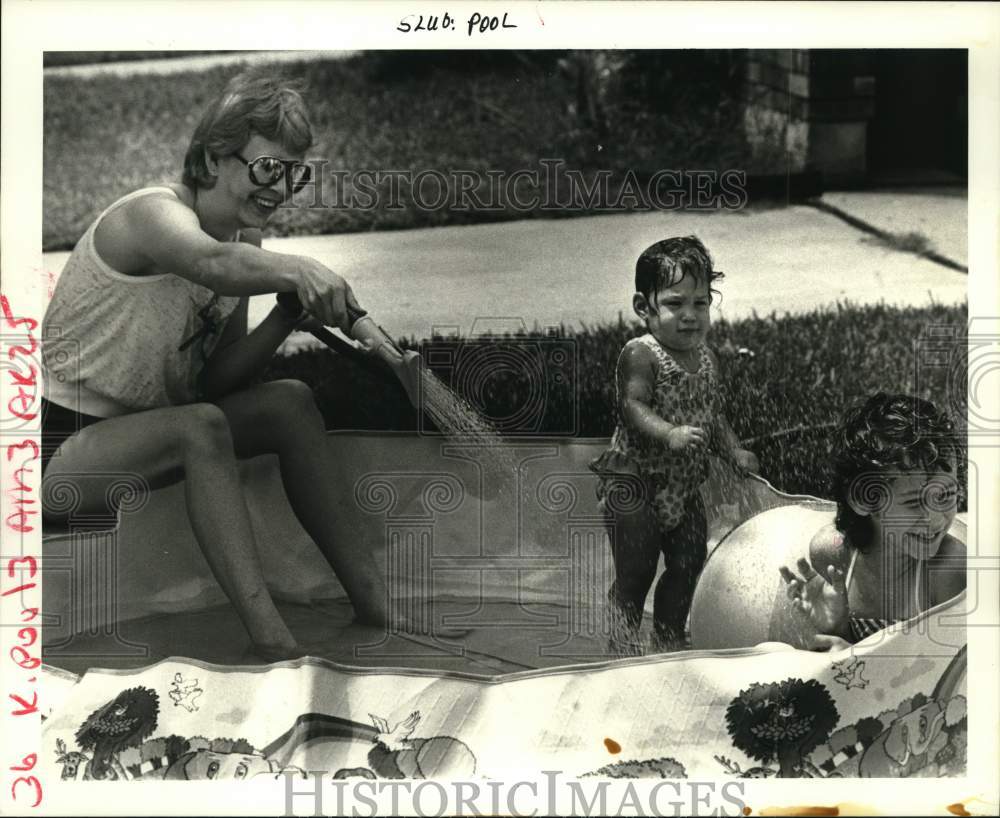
[{"x": 251, "y": 103}]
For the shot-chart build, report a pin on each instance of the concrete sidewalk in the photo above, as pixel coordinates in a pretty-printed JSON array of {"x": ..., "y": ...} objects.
[
  {"x": 184, "y": 65},
  {"x": 940, "y": 214},
  {"x": 579, "y": 271}
]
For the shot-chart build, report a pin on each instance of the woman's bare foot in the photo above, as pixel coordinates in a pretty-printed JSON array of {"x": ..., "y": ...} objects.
[{"x": 275, "y": 653}]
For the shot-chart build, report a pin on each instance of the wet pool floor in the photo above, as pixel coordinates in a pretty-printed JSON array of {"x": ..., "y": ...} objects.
[{"x": 502, "y": 637}]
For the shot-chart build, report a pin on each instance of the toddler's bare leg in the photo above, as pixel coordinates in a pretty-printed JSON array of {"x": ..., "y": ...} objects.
[
  {"x": 163, "y": 446},
  {"x": 635, "y": 548},
  {"x": 683, "y": 557}
]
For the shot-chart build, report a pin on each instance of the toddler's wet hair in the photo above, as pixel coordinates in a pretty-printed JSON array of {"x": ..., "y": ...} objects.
[
  {"x": 886, "y": 435},
  {"x": 665, "y": 263}
]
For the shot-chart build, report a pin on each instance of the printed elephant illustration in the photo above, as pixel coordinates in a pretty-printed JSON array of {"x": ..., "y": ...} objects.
[{"x": 911, "y": 741}]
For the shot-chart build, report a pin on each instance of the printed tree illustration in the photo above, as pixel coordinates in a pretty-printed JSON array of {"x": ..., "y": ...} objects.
[
  {"x": 170, "y": 747},
  {"x": 782, "y": 721},
  {"x": 845, "y": 737},
  {"x": 118, "y": 725},
  {"x": 917, "y": 700},
  {"x": 665, "y": 767},
  {"x": 231, "y": 745},
  {"x": 868, "y": 730}
]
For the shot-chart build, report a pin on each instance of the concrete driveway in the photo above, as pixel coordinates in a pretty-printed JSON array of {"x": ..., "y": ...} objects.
[{"x": 572, "y": 271}]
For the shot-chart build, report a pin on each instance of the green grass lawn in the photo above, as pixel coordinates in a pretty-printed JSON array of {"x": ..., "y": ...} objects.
[
  {"x": 105, "y": 136},
  {"x": 804, "y": 371}
]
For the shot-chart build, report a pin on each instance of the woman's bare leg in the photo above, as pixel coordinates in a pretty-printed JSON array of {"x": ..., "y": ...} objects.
[
  {"x": 193, "y": 443},
  {"x": 281, "y": 417}
]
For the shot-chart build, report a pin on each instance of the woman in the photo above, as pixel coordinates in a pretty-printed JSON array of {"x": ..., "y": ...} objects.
[{"x": 148, "y": 358}]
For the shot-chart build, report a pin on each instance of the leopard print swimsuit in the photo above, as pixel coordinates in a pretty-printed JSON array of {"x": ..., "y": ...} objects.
[{"x": 681, "y": 398}]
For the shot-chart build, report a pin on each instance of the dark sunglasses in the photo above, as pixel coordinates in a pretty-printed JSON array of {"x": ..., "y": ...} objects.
[{"x": 266, "y": 170}]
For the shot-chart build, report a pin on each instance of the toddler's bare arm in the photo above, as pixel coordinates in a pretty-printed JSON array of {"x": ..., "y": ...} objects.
[{"x": 636, "y": 377}]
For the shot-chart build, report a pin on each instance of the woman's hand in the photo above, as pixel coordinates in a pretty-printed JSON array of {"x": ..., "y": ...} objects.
[
  {"x": 325, "y": 294},
  {"x": 290, "y": 309},
  {"x": 823, "y": 603}
]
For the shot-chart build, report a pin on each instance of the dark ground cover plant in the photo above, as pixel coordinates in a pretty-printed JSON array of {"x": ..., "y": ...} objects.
[
  {"x": 788, "y": 380},
  {"x": 620, "y": 111}
]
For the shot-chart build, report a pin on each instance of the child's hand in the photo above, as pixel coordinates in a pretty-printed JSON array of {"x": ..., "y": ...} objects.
[
  {"x": 683, "y": 437},
  {"x": 824, "y": 603},
  {"x": 825, "y": 642},
  {"x": 746, "y": 461}
]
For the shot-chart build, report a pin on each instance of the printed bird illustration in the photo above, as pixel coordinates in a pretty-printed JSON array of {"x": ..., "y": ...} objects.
[
  {"x": 849, "y": 673},
  {"x": 396, "y": 755},
  {"x": 185, "y": 693}
]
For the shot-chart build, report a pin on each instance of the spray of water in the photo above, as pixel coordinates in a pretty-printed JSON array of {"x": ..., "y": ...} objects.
[{"x": 462, "y": 424}]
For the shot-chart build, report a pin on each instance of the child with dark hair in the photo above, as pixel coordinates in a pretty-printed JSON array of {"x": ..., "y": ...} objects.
[
  {"x": 670, "y": 418},
  {"x": 888, "y": 555}
]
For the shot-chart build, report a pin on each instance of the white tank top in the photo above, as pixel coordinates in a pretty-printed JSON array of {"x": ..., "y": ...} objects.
[{"x": 113, "y": 344}]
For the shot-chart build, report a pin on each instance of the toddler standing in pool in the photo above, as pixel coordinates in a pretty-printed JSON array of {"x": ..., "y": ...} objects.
[{"x": 669, "y": 419}]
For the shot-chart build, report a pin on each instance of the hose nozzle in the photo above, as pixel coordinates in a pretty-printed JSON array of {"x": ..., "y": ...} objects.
[
  {"x": 406, "y": 366},
  {"x": 375, "y": 345}
]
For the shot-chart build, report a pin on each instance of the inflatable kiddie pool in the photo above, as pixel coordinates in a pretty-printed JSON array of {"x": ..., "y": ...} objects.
[
  {"x": 136, "y": 631},
  {"x": 521, "y": 560}
]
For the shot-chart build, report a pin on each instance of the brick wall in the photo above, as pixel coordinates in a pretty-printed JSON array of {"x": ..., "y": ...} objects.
[{"x": 809, "y": 109}]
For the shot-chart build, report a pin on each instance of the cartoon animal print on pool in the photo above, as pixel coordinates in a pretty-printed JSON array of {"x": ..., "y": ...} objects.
[
  {"x": 792, "y": 723},
  {"x": 396, "y": 755},
  {"x": 117, "y": 734},
  {"x": 850, "y": 673},
  {"x": 185, "y": 693}
]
